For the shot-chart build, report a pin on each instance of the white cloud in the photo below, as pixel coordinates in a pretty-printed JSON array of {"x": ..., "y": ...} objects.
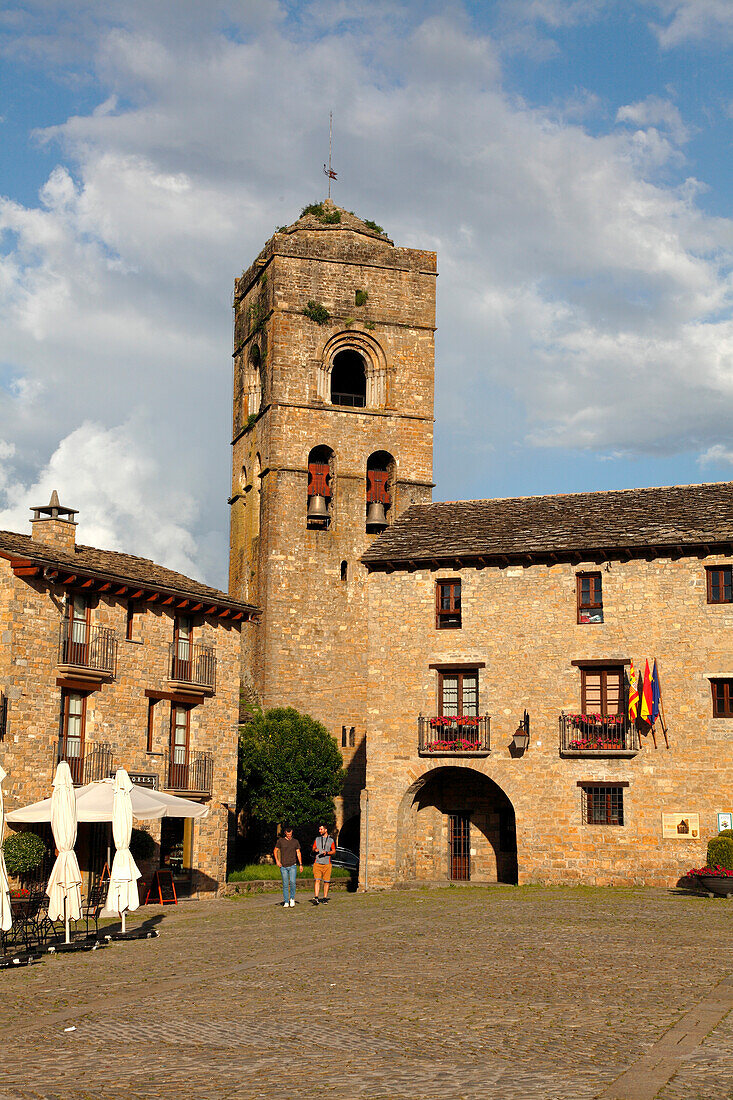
[
  {"x": 717, "y": 455},
  {"x": 108, "y": 475},
  {"x": 694, "y": 21},
  {"x": 657, "y": 112}
]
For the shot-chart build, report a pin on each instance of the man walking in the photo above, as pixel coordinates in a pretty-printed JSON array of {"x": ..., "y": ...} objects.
[
  {"x": 323, "y": 846},
  {"x": 287, "y": 851}
]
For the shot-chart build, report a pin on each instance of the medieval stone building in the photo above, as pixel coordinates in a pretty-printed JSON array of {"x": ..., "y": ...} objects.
[
  {"x": 110, "y": 660},
  {"x": 471, "y": 659}
]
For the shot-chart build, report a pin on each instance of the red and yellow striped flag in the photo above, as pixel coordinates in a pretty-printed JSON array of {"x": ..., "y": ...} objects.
[
  {"x": 647, "y": 702},
  {"x": 633, "y": 693}
]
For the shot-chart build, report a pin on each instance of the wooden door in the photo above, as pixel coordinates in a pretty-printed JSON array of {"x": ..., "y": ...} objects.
[{"x": 459, "y": 847}]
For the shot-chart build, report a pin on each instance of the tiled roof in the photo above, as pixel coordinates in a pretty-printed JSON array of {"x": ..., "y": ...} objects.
[
  {"x": 631, "y": 519},
  {"x": 114, "y": 565}
]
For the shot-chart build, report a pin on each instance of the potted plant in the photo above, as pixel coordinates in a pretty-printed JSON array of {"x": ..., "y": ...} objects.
[
  {"x": 23, "y": 853},
  {"x": 717, "y": 875}
]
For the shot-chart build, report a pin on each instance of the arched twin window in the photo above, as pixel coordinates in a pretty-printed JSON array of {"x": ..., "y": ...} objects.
[
  {"x": 379, "y": 479},
  {"x": 320, "y": 488}
]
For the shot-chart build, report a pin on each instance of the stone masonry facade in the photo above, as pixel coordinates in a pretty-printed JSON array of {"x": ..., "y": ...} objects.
[
  {"x": 520, "y": 631},
  {"x": 310, "y": 648},
  {"x": 127, "y": 710}
]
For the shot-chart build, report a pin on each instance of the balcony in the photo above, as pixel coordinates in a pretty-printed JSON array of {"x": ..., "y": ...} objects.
[
  {"x": 191, "y": 775},
  {"x": 87, "y": 651},
  {"x": 446, "y": 735},
  {"x": 87, "y": 762},
  {"x": 597, "y": 735},
  {"x": 192, "y": 667}
]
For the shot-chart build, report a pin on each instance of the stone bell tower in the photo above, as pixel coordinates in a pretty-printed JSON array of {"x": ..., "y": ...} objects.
[{"x": 332, "y": 438}]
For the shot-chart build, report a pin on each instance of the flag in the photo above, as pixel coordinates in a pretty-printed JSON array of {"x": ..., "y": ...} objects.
[
  {"x": 656, "y": 694},
  {"x": 646, "y": 696},
  {"x": 633, "y": 693}
]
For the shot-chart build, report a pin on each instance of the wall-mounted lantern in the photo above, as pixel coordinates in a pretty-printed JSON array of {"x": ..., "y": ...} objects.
[{"x": 520, "y": 739}]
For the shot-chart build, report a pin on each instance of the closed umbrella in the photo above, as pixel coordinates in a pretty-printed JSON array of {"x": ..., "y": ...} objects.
[
  {"x": 6, "y": 917},
  {"x": 64, "y": 885},
  {"x": 122, "y": 894}
]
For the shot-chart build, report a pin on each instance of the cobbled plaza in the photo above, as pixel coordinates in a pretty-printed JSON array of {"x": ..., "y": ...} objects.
[{"x": 517, "y": 993}]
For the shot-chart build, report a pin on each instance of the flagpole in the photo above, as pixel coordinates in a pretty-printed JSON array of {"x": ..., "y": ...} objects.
[
  {"x": 330, "y": 143},
  {"x": 662, "y": 719}
]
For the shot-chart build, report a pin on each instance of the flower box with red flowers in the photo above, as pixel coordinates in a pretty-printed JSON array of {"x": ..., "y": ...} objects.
[{"x": 715, "y": 880}]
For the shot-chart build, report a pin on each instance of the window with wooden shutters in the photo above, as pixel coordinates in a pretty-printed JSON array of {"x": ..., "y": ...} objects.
[
  {"x": 74, "y": 710},
  {"x": 602, "y": 690},
  {"x": 590, "y": 597},
  {"x": 603, "y": 803},
  {"x": 458, "y": 693},
  {"x": 448, "y": 605},
  {"x": 720, "y": 584},
  {"x": 722, "y": 698}
]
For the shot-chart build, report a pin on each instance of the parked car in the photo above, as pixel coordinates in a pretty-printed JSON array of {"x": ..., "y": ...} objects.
[{"x": 343, "y": 857}]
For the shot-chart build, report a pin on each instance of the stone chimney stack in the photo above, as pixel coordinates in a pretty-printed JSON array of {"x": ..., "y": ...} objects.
[{"x": 54, "y": 525}]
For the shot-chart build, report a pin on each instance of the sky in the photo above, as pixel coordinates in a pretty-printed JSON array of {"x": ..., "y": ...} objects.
[{"x": 569, "y": 161}]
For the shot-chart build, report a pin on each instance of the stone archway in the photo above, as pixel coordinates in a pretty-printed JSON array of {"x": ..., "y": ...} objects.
[{"x": 424, "y": 827}]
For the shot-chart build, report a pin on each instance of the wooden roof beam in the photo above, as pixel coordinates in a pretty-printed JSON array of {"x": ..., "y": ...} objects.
[
  {"x": 182, "y": 604},
  {"x": 105, "y": 587},
  {"x": 170, "y": 599},
  {"x": 70, "y": 579},
  {"x": 238, "y": 615},
  {"x": 20, "y": 563},
  {"x": 225, "y": 613},
  {"x": 136, "y": 595},
  {"x": 88, "y": 583},
  {"x": 196, "y": 606},
  {"x": 210, "y": 610},
  {"x": 121, "y": 591},
  {"x": 26, "y": 570},
  {"x": 152, "y": 597}
]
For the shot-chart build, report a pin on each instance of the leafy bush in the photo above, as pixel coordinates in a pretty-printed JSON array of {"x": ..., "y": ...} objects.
[
  {"x": 373, "y": 226},
  {"x": 318, "y": 210},
  {"x": 269, "y": 872},
  {"x": 360, "y": 297},
  {"x": 726, "y": 832},
  {"x": 720, "y": 852},
  {"x": 317, "y": 312},
  {"x": 142, "y": 845},
  {"x": 23, "y": 853}
]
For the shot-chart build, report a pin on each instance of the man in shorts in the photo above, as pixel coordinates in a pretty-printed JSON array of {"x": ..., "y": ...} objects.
[
  {"x": 287, "y": 851},
  {"x": 323, "y": 846}
]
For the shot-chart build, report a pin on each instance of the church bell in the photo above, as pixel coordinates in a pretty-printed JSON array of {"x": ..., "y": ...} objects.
[
  {"x": 317, "y": 507},
  {"x": 376, "y": 515}
]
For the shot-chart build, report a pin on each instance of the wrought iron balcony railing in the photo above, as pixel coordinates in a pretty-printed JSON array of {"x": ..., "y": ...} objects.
[
  {"x": 87, "y": 761},
  {"x": 597, "y": 733},
  {"x": 193, "y": 664},
  {"x": 445, "y": 734},
  {"x": 194, "y": 773},
  {"x": 88, "y": 647}
]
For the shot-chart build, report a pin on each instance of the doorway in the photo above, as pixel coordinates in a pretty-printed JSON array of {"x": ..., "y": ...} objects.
[{"x": 459, "y": 847}]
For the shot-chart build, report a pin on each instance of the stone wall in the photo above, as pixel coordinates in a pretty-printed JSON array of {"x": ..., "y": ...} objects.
[
  {"x": 520, "y": 622},
  {"x": 117, "y": 713}
]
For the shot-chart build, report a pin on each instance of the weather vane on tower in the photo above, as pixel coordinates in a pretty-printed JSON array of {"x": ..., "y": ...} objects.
[{"x": 328, "y": 170}]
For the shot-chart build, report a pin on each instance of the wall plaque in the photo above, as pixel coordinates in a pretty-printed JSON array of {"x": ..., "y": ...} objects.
[
  {"x": 725, "y": 821},
  {"x": 681, "y": 826}
]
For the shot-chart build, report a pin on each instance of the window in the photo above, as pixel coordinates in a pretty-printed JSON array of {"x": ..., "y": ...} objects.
[
  {"x": 182, "y": 648},
  {"x": 151, "y": 724},
  {"x": 380, "y": 466},
  {"x": 77, "y": 631},
  {"x": 458, "y": 693},
  {"x": 590, "y": 598},
  {"x": 3, "y": 714},
  {"x": 603, "y": 803},
  {"x": 344, "y": 570},
  {"x": 73, "y": 723},
  {"x": 348, "y": 380},
  {"x": 348, "y": 737},
  {"x": 720, "y": 584},
  {"x": 722, "y": 698},
  {"x": 447, "y": 605},
  {"x": 130, "y": 623},
  {"x": 178, "y": 772},
  {"x": 602, "y": 690}
]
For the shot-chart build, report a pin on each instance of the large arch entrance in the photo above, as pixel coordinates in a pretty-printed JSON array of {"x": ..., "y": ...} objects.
[{"x": 456, "y": 824}]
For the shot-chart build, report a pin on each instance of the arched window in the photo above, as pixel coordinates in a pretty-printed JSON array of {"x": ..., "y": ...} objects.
[
  {"x": 252, "y": 384},
  {"x": 320, "y": 488},
  {"x": 348, "y": 380},
  {"x": 256, "y": 496},
  {"x": 380, "y": 471}
]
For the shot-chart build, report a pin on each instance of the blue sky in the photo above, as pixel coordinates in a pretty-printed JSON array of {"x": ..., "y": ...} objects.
[{"x": 569, "y": 160}]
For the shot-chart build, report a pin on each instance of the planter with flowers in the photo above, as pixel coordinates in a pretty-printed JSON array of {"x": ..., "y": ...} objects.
[{"x": 714, "y": 880}]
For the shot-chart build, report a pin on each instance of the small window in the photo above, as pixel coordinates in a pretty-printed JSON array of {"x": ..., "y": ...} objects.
[
  {"x": 151, "y": 724},
  {"x": 448, "y": 605},
  {"x": 722, "y": 698},
  {"x": 603, "y": 804},
  {"x": 344, "y": 571},
  {"x": 130, "y": 624},
  {"x": 590, "y": 598},
  {"x": 720, "y": 584},
  {"x": 458, "y": 693},
  {"x": 3, "y": 714}
]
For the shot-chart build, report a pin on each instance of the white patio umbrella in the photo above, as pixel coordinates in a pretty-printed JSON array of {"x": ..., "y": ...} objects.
[
  {"x": 6, "y": 916},
  {"x": 122, "y": 893},
  {"x": 95, "y": 802},
  {"x": 64, "y": 885}
]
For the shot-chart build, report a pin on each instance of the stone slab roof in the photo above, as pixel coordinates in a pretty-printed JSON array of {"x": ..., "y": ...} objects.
[
  {"x": 116, "y": 566},
  {"x": 587, "y": 523}
]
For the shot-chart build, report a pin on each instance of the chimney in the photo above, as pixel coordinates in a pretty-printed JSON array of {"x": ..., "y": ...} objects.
[{"x": 54, "y": 526}]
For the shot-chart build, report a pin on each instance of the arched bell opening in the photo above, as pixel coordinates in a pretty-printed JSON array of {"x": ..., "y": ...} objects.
[
  {"x": 348, "y": 379},
  {"x": 320, "y": 488},
  {"x": 456, "y": 825},
  {"x": 379, "y": 493}
]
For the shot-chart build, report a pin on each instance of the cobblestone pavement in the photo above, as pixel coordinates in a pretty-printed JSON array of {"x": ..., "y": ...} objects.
[{"x": 511, "y": 993}]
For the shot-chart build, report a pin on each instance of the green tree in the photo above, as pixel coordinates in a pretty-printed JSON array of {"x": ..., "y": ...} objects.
[{"x": 290, "y": 768}]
